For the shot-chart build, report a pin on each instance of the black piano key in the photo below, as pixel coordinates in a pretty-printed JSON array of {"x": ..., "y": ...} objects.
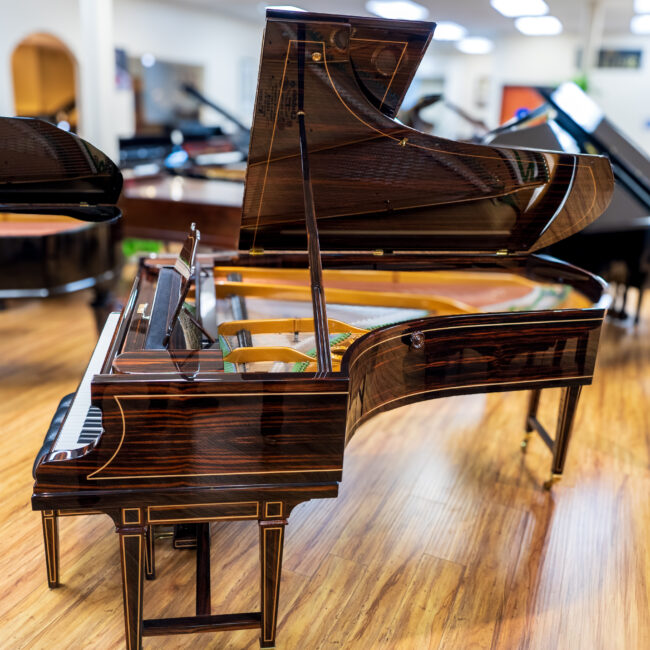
[{"x": 92, "y": 427}]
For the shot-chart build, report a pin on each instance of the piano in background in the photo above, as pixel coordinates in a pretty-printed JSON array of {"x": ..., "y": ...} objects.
[
  {"x": 569, "y": 120},
  {"x": 198, "y": 179},
  {"x": 43, "y": 252},
  {"x": 230, "y": 384}
]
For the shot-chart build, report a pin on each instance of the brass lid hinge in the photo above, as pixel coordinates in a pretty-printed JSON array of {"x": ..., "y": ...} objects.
[
  {"x": 502, "y": 251},
  {"x": 256, "y": 251}
]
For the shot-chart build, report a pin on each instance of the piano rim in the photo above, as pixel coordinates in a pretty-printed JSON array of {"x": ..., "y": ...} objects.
[{"x": 537, "y": 267}]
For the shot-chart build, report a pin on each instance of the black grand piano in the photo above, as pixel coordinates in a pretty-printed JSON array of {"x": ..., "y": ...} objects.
[
  {"x": 618, "y": 244},
  {"x": 52, "y": 184},
  {"x": 378, "y": 267}
]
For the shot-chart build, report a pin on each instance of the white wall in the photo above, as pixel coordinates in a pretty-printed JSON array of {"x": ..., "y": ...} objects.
[
  {"x": 196, "y": 37},
  {"x": 60, "y": 18},
  {"x": 170, "y": 33},
  {"x": 624, "y": 95},
  {"x": 223, "y": 45}
]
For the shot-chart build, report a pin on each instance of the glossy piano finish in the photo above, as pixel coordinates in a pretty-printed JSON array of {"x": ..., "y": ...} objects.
[
  {"x": 43, "y": 166},
  {"x": 439, "y": 357},
  {"x": 49, "y": 179},
  {"x": 617, "y": 245},
  {"x": 47, "y": 255},
  {"x": 379, "y": 182},
  {"x": 186, "y": 441},
  {"x": 276, "y": 428},
  {"x": 163, "y": 207}
]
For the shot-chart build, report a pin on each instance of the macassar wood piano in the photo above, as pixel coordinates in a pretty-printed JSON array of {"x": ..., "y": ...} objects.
[{"x": 378, "y": 267}]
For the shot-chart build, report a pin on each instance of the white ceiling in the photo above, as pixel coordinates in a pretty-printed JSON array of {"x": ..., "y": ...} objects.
[{"x": 476, "y": 15}]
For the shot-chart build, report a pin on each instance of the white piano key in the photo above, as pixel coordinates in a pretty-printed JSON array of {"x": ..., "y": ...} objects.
[{"x": 68, "y": 437}]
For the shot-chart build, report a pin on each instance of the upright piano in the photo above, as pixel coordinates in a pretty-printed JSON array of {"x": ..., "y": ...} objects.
[
  {"x": 378, "y": 267},
  {"x": 618, "y": 244}
]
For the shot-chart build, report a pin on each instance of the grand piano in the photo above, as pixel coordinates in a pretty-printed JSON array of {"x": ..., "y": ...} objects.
[
  {"x": 618, "y": 244},
  {"x": 378, "y": 267},
  {"x": 47, "y": 246}
]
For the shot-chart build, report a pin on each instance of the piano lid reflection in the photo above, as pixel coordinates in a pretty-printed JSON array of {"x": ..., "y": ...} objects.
[{"x": 247, "y": 414}]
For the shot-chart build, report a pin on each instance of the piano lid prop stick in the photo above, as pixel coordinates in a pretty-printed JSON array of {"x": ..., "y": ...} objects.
[{"x": 323, "y": 353}]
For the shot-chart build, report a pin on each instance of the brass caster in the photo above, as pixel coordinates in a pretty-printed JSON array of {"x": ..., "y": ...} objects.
[
  {"x": 554, "y": 478},
  {"x": 524, "y": 443}
]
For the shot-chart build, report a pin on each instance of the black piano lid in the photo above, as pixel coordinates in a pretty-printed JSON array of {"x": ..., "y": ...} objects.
[
  {"x": 46, "y": 170},
  {"x": 585, "y": 121},
  {"x": 378, "y": 184}
]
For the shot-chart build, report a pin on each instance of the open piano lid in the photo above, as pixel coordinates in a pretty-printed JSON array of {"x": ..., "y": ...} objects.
[
  {"x": 46, "y": 170},
  {"x": 378, "y": 184}
]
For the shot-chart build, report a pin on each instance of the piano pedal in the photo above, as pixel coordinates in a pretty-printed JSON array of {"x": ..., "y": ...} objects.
[
  {"x": 185, "y": 536},
  {"x": 554, "y": 478},
  {"x": 165, "y": 534}
]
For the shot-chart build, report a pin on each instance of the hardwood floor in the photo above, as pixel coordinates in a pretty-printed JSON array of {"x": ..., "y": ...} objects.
[{"x": 441, "y": 537}]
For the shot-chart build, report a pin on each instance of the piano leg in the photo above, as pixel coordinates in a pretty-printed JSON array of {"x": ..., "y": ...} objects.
[
  {"x": 203, "y": 605},
  {"x": 150, "y": 555},
  {"x": 132, "y": 552},
  {"x": 533, "y": 404},
  {"x": 637, "y": 315},
  {"x": 51, "y": 540},
  {"x": 568, "y": 407},
  {"x": 271, "y": 545},
  {"x": 104, "y": 302}
]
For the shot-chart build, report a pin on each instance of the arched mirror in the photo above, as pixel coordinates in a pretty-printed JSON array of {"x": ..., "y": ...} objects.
[{"x": 44, "y": 76}]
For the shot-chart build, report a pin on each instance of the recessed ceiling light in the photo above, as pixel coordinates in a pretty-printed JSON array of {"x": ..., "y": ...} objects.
[
  {"x": 539, "y": 25},
  {"x": 642, "y": 6},
  {"x": 640, "y": 24},
  {"x": 514, "y": 8},
  {"x": 399, "y": 9},
  {"x": 264, "y": 7},
  {"x": 448, "y": 31},
  {"x": 148, "y": 60},
  {"x": 475, "y": 45}
]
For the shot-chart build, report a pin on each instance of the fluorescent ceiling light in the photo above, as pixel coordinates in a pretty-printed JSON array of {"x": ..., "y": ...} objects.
[
  {"x": 475, "y": 45},
  {"x": 399, "y": 9},
  {"x": 539, "y": 25},
  {"x": 642, "y": 6},
  {"x": 514, "y": 8},
  {"x": 640, "y": 24},
  {"x": 448, "y": 31}
]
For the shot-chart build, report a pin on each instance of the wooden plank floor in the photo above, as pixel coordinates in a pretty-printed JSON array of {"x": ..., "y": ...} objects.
[{"x": 441, "y": 536}]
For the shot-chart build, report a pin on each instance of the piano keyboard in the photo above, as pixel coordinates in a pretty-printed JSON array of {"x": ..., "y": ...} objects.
[{"x": 83, "y": 424}]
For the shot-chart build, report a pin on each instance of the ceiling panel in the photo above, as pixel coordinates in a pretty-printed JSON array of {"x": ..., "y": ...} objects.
[{"x": 477, "y": 15}]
